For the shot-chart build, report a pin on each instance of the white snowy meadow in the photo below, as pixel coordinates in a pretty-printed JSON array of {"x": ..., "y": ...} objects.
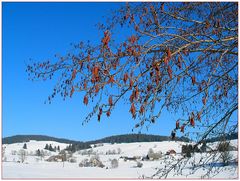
[{"x": 129, "y": 161}]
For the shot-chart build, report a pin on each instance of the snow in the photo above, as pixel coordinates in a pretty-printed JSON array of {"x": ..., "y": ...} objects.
[
  {"x": 33, "y": 145},
  {"x": 141, "y": 148},
  {"x": 34, "y": 167}
]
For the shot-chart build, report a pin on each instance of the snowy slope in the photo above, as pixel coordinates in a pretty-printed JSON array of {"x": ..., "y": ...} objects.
[
  {"x": 35, "y": 168},
  {"x": 141, "y": 148},
  {"x": 32, "y": 145}
]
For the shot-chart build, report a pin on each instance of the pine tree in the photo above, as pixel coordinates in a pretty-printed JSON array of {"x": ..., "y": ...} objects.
[
  {"x": 25, "y": 146},
  {"x": 38, "y": 153},
  {"x": 69, "y": 147},
  {"x": 73, "y": 148},
  {"x": 46, "y": 147},
  {"x": 50, "y": 148}
]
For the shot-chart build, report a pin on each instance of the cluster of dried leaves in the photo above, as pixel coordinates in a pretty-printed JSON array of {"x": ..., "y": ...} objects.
[{"x": 181, "y": 57}]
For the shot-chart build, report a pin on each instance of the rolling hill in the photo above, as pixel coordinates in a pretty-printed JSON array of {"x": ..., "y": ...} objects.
[{"x": 125, "y": 138}]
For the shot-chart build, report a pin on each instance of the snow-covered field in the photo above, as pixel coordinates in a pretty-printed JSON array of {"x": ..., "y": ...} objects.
[{"x": 36, "y": 167}]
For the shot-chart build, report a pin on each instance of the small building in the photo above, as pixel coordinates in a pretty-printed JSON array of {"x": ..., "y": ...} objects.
[
  {"x": 171, "y": 152},
  {"x": 55, "y": 158},
  {"x": 125, "y": 158}
]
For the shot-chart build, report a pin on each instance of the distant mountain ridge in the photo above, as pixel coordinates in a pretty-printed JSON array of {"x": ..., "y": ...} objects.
[
  {"x": 231, "y": 136},
  {"x": 27, "y": 138},
  {"x": 129, "y": 138},
  {"x": 125, "y": 138}
]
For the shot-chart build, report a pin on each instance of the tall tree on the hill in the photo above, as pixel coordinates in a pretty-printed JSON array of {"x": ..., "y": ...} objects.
[
  {"x": 46, "y": 147},
  {"x": 50, "y": 148},
  {"x": 179, "y": 57},
  {"x": 38, "y": 153},
  {"x": 25, "y": 146}
]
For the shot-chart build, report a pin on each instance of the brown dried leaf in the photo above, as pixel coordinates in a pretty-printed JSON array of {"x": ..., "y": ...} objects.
[
  {"x": 96, "y": 88},
  {"x": 132, "y": 39},
  {"x": 131, "y": 97},
  {"x": 193, "y": 80},
  {"x": 137, "y": 125},
  {"x": 125, "y": 77},
  {"x": 99, "y": 117},
  {"x": 169, "y": 70},
  {"x": 199, "y": 116},
  {"x": 207, "y": 24},
  {"x": 108, "y": 113},
  {"x": 169, "y": 54},
  {"x": 162, "y": 7},
  {"x": 85, "y": 100},
  {"x": 179, "y": 63},
  {"x": 85, "y": 85},
  {"x": 142, "y": 110},
  {"x": 100, "y": 111},
  {"x": 204, "y": 100},
  {"x": 177, "y": 124},
  {"x": 110, "y": 101},
  {"x": 192, "y": 122},
  {"x": 182, "y": 128},
  {"x": 133, "y": 110},
  {"x": 95, "y": 71},
  {"x": 166, "y": 60},
  {"x": 136, "y": 92},
  {"x": 72, "y": 91},
  {"x": 131, "y": 84},
  {"x": 74, "y": 74},
  {"x": 88, "y": 58},
  {"x": 111, "y": 79}
]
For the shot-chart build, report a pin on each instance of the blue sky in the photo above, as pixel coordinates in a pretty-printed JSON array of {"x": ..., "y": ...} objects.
[{"x": 38, "y": 31}]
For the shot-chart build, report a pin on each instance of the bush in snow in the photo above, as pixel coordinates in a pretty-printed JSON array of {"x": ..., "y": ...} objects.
[
  {"x": 84, "y": 163},
  {"x": 203, "y": 148},
  {"x": 64, "y": 156},
  {"x": 150, "y": 151},
  {"x": 43, "y": 154},
  {"x": 154, "y": 156},
  {"x": 112, "y": 152},
  {"x": 93, "y": 162},
  {"x": 119, "y": 151},
  {"x": 187, "y": 150},
  {"x": 87, "y": 152},
  {"x": 224, "y": 146},
  {"x": 225, "y": 156},
  {"x": 139, "y": 164},
  {"x": 14, "y": 152},
  {"x": 22, "y": 155},
  {"x": 31, "y": 153},
  {"x": 4, "y": 159},
  {"x": 114, "y": 163},
  {"x": 37, "y": 159},
  {"x": 72, "y": 160},
  {"x": 96, "y": 162},
  {"x": 3, "y": 153},
  {"x": 90, "y": 151}
]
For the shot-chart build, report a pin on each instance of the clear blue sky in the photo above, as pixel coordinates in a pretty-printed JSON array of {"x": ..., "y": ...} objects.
[{"x": 38, "y": 31}]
